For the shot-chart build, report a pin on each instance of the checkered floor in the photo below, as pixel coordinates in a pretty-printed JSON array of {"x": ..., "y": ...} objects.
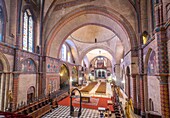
[{"x": 64, "y": 112}]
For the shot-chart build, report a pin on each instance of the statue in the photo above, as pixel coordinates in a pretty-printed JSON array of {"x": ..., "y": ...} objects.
[
  {"x": 127, "y": 109},
  {"x": 131, "y": 104},
  {"x": 10, "y": 96}
]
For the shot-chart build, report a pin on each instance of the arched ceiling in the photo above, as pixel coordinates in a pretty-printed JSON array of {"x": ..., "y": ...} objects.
[
  {"x": 89, "y": 33},
  {"x": 112, "y": 23},
  {"x": 98, "y": 52}
]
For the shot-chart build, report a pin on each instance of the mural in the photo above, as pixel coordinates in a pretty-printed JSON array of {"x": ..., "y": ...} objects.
[
  {"x": 64, "y": 77},
  {"x": 28, "y": 66},
  {"x": 74, "y": 76},
  {"x": 52, "y": 85},
  {"x": 152, "y": 64},
  {"x": 52, "y": 65}
]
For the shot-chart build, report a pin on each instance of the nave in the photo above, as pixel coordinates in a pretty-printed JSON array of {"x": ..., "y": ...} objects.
[{"x": 105, "y": 49}]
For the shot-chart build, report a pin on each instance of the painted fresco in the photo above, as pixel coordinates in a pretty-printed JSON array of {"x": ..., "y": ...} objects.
[
  {"x": 152, "y": 64},
  {"x": 28, "y": 66},
  {"x": 52, "y": 85},
  {"x": 52, "y": 65}
]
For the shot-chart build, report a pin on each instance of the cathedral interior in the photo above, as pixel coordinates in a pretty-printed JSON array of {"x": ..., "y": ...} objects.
[{"x": 85, "y": 58}]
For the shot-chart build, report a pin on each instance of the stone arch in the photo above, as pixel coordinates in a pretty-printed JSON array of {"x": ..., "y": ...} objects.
[
  {"x": 74, "y": 76},
  {"x": 31, "y": 60},
  {"x": 30, "y": 94},
  {"x": 146, "y": 79},
  {"x": 64, "y": 76},
  {"x": 89, "y": 10},
  {"x": 5, "y": 62},
  {"x": 151, "y": 84},
  {"x": 4, "y": 81},
  {"x": 74, "y": 50},
  {"x": 84, "y": 52}
]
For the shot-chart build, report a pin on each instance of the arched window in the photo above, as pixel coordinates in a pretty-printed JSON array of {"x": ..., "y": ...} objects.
[
  {"x": 63, "y": 52},
  {"x": 28, "y": 27},
  {"x": 1, "y": 24}
]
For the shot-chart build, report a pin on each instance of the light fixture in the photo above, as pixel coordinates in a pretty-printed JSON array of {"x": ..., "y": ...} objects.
[
  {"x": 71, "y": 80},
  {"x": 123, "y": 81},
  {"x": 61, "y": 74},
  {"x": 121, "y": 60},
  {"x": 114, "y": 78}
]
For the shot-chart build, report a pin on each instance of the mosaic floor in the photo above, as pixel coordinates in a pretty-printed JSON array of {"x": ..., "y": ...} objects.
[{"x": 64, "y": 112}]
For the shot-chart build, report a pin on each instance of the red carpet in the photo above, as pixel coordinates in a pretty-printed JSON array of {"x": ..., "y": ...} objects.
[
  {"x": 102, "y": 103},
  {"x": 93, "y": 101}
]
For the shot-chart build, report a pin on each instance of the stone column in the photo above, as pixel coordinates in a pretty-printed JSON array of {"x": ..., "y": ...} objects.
[
  {"x": 162, "y": 53},
  {"x": 15, "y": 90},
  {"x": 141, "y": 76},
  {"x": 164, "y": 91},
  {"x": 134, "y": 92},
  {"x": 7, "y": 89},
  {"x": 3, "y": 91},
  {"x": 138, "y": 110},
  {"x": 142, "y": 96}
]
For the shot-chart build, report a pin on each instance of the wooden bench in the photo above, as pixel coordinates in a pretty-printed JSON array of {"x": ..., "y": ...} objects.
[
  {"x": 85, "y": 99},
  {"x": 40, "y": 112}
]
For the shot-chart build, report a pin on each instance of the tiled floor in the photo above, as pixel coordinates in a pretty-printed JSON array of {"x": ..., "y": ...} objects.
[{"x": 64, "y": 112}]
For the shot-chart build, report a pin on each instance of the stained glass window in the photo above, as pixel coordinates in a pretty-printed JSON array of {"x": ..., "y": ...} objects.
[
  {"x": 1, "y": 25},
  {"x": 63, "y": 52},
  {"x": 25, "y": 31},
  {"x": 30, "y": 41},
  {"x": 28, "y": 32}
]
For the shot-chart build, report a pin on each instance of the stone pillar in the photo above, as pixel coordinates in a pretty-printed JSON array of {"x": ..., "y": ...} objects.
[
  {"x": 162, "y": 53},
  {"x": 15, "y": 90},
  {"x": 164, "y": 91},
  {"x": 142, "y": 96},
  {"x": 7, "y": 89},
  {"x": 134, "y": 92},
  {"x": 141, "y": 76},
  {"x": 138, "y": 110},
  {"x": 3, "y": 91}
]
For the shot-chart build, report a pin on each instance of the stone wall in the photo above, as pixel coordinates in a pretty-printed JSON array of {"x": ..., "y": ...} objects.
[
  {"x": 25, "y": 82},
  {"x": 154, "y": 92}
]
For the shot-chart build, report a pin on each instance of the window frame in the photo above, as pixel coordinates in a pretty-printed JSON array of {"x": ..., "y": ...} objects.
[
  {"x": 33, "y": 29},
  {"x": 3, "y": 25}
]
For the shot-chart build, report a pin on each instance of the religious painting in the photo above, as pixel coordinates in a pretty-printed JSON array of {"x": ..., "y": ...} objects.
[
  {"x": 64, "y": 77},
  {"x": 152, "y": 64},
  {"x": 52, "y": 85},
  {"x": 52, "y": 65},
  {"x": 28, "y": 66},
  {"x": 74, "y": 76}
]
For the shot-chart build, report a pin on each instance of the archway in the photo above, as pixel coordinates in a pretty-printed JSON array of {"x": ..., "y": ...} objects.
[
  {"x": 146, "y": 80},
  {"x": 4, "y": 81},
  {"x": 74, "y": 76},
  {"x": 151, "y": 83},
  {"x": 30, "y": 94},
  {"x": 60, "y": 33},
  {"x": 64, "y": 77}
]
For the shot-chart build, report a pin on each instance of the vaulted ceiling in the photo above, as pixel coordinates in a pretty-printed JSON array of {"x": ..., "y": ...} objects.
[{"x": 108, "y": 25}]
